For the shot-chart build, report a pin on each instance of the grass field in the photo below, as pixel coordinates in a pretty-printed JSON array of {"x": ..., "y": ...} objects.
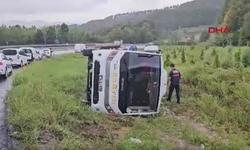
[{"x": 46, "y": 112}]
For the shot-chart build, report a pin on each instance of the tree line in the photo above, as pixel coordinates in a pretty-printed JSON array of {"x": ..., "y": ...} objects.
[
  {"x": 62, "y": 34},
  {"x": 17, "y": 35}
]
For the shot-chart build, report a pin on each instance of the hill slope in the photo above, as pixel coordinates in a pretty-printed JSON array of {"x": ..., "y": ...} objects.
[
  {"x": 235, "y": 16},
  {"x": 190, "y": 14}
]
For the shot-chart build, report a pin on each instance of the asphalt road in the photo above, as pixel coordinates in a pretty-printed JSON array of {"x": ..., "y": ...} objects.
[{"x": 5, "y": 86}]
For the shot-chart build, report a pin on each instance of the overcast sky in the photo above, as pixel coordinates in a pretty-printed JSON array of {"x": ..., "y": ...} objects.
[{"x": 74, "y": 11}]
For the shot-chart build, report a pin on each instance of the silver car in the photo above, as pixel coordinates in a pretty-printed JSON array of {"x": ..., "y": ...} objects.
[{"x": 5, "y": 66}]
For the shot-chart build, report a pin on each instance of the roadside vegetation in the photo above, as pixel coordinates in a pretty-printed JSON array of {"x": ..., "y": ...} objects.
[
  {"x": 46, "y": 110},
  {"x": 215, "y": 89}
]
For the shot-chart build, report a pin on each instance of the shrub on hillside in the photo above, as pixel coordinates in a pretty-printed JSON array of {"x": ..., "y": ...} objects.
[
  {"x": 183, "y": 57},
  {"x": 214, "y": 52},
  {"x": 217, "y": 62},
  {"x": 207, "y": 64},
  {"x": 246, "y": 58},
  {"x": 238, "y": 58},
  {"x": 167, "y": 62},
  {"x": 192, "y": 62},
  {"x": 228, "y": 63},
  {"x": 202, "y": 55},
  {"x": 174, "y": 54}
]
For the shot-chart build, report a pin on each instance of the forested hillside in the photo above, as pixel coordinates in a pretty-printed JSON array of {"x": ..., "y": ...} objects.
[
  {"x": 235, "y": 16},
  {"x": 137, "y": 27},
  {"x": 141, "y": 32},
  {"x": 190, "y": 14}
]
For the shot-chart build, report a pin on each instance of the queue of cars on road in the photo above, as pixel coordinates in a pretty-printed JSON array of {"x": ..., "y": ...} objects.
[{"x": 17, "y": 57}]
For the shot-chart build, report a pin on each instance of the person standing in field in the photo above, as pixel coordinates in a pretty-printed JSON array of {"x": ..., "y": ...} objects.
[{"x": 174, "y": 80}]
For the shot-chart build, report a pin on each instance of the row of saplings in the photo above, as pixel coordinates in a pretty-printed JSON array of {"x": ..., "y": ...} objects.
[{"x": 239, "y": 61}]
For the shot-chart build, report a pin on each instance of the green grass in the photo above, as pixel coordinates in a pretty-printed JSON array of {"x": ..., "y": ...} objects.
[
  {"x": 46, "y": 112},
  {"x": 219, "y": 97}
]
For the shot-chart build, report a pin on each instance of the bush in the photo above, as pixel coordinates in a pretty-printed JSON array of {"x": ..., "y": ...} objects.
[
  {"x": 214, "y": 52},
  {"x": 174, "y": 54},
  {"x": 167, "y": 62},
  {"x": 238, "y": 58},
  {"x": 202, "y": 55},
  {"x": 217, "y": 62},
  {"x": 192, "y": 62},
  {"x": 246, "y": 58},
  {"x": 183, "y": 57},
  {"x": 228, "y": 63},
  {"x": 207, "y": 64}
]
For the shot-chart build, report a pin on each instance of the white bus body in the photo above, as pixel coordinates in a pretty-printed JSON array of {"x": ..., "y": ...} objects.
[{"x": 127, "y": 82}]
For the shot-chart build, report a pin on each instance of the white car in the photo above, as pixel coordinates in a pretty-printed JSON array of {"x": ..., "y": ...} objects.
[
  {"x": 17, "y": 56},
  {"x": 46, "y": 53},
  {"x": 36, "y": 54},
  {"x": 32, "y": 53},
  {"x": 79, "y": 48},
  {"x": 28, "y": 53},
  {"x": 5, "y": 66},
  {"x": 39, "y": 53}
]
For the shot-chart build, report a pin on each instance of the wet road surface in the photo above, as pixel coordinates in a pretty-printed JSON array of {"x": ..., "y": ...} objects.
[{"x": 5, "y": 86}]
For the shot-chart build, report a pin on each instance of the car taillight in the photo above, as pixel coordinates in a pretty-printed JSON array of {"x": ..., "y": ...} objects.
[
  {"x": 17, "y": 56},
  {"x": 1, "y": 63}
]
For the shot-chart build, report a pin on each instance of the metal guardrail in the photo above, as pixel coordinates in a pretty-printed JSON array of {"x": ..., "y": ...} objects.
[
  {"x": 39, "y": 46},
  {"x": 55, "y": 45}
]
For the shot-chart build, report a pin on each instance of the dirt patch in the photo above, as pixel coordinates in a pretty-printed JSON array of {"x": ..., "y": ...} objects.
[
  {"x": 190, "y": 114},
  {"x": 178, "y": 143},
  {"x": 88, "y": 148},
  {"x": 126, "y": 121},
  {"x": 207, "y": 131},
  {"x": 48, "y": 140},
  {"x": 204, "y": 130},
  {"x": 94, "y": 131},
  {"x": 121, "y": 132},
  {"x": 117, "y": 134}
]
